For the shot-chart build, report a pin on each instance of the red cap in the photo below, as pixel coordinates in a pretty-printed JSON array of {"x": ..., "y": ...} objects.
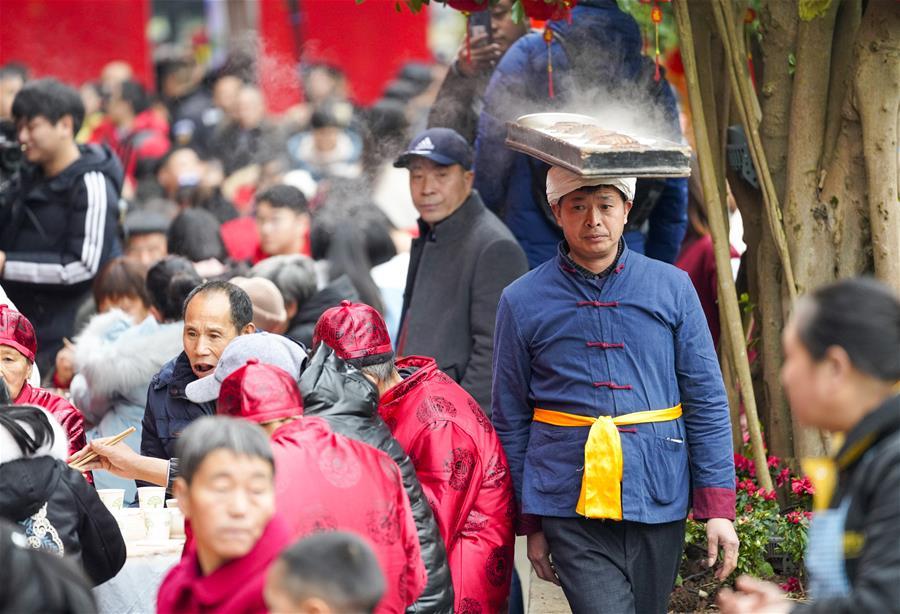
[
  {"x": 353, "y": 330},
  {"x": 17, "y": 332},
  {"x": 260, "y": 393}
]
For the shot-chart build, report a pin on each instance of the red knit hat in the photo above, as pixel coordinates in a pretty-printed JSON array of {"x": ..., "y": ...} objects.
[
  {"x": 354, "y": 331},
  {"x": 17, "y": 332},
  {"x": 260, "y": 393}
]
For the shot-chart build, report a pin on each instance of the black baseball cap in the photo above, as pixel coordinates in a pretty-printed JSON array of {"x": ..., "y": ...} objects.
[{"x": 441, "y": 145}]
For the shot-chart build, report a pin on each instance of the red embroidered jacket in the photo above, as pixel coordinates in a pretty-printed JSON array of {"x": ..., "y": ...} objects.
[
  {"x": 67, "y": 414},
  {"x": 325, "y": 482},
  {"x": 465, "y": 476}
]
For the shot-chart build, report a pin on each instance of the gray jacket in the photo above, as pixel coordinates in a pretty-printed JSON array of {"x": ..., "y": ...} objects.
[{"x": 457, "y": 271}]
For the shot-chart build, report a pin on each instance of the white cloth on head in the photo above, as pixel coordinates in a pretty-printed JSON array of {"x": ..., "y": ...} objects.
[{"x": 561, "y": 181}]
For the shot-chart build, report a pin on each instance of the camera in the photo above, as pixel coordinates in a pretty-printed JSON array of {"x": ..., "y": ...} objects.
[{"x": 10, "y": 161}]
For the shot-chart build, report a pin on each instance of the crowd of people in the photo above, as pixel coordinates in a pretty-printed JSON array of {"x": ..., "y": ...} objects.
[{"x": 364, "y": 348}]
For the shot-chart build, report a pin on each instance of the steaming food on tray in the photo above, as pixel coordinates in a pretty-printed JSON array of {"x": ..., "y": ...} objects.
[
  {"x": 580, "y": 144},
  {"x": 595, "y": 135}
]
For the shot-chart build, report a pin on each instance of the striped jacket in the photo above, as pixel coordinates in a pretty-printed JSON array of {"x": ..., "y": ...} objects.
[{"x": 57, "y": 235}]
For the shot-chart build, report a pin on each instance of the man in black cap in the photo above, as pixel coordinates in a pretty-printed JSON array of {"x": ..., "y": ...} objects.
[{"x": 462, "y": 260}]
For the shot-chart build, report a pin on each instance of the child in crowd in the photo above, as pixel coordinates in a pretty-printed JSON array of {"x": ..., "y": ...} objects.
[{"x": 326, "y": 573}]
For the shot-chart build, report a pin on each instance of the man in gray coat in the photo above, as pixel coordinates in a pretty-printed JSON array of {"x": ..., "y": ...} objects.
[{"x": 462, "y": 260}]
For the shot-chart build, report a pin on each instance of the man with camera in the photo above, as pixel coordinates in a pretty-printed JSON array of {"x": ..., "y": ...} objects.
[{"x": 58, "y": 221}]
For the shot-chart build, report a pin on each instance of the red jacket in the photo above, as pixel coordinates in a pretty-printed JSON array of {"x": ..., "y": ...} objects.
[
  {"x": 67, "y": 414},
  {"x": 234, "y": 588},
  {"x": 148, "y": 139},
  {"x": 464, "y": 474},
  {"x": 325, "y": 481}
]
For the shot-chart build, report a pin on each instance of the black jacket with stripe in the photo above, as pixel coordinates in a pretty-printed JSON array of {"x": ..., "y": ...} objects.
[{"x": 57, "y": 234}]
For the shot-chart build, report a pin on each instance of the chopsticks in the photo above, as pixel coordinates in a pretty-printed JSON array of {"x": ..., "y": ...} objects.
[{"x": 77, "y": 465}]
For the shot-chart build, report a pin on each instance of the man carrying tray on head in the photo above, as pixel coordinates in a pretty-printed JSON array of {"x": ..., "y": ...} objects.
[{"x": 608, "y": 399}]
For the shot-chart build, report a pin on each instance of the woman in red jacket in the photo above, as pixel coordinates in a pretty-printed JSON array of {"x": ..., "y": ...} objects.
[{"x": 18, "y": 345}]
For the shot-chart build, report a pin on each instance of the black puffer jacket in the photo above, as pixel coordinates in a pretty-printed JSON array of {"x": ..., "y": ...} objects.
[
  {"x": 74, "y": 514},
  {"x": 868, "y": 467},
  {"x": 349, "y": 402}
]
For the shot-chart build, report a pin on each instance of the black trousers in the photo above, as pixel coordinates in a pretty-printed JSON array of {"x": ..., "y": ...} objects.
[{"x": 613, "y": 567}]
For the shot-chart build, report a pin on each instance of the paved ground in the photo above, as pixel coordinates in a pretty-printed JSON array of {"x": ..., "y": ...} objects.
[
  {"x": 540, "y": 597},
  {"x": 545, "y": 598}
]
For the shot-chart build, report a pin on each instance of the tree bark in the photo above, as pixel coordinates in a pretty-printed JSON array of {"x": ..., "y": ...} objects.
[
  {"x": 807, "y": 220},
  {"x": 877, "y": 96},
  {"x": 779, "y": 21},
  {"x": 847, "y": 23}
]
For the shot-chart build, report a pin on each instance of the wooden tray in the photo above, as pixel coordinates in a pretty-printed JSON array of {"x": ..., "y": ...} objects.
[{"x": 580, "y": 144}]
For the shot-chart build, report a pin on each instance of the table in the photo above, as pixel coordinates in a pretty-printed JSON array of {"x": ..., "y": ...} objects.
[{"x": 133, "y": 590}]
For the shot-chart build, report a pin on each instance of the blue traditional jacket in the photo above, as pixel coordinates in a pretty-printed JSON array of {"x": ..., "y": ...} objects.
[{"x": 634, "y": 340}]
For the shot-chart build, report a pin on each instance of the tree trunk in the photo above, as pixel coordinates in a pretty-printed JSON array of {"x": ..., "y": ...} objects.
[
  {"x": 877, "y": 97},
  {"x": 807, "y": 220},
  {"x": 779, "y": 21}
]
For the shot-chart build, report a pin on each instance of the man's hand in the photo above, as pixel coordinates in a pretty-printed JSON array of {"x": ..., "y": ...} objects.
[
  {"x": 121, "y": 460},
  {"x": 720, "y": 533},
  {"x": 753, "y": 597},
  {"x": 2, "y": 261},
  {"x": 539, "y": 555},
  {"x": 483, "y": 56}
]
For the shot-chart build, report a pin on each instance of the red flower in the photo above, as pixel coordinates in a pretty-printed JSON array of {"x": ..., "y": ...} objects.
[
  {"x": 748, "y": 508},
  {"x": 783, "y": 476},
  {"x": 767, "y": 495},
  {"x": 791, "y": 586},
  {"x": 797, "y": 516},
  {"x": 773, "y": 462},
  {"x": 802, "y": 486},
  {"x": 747, "y": 485}
]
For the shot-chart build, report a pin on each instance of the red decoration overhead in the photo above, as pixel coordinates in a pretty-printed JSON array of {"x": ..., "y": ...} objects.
[
  {"x": 546, "y": 10},
  {"x": 656, "y": 16},
  {"x": 469, "y": 6}
]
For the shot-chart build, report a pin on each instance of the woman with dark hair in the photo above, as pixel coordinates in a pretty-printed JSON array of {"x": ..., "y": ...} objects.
[
  {"x": 169, "y": 282},
  {"x": 117, "y": 357},
  {"x": 58, "y": 510},
  {"x": 194, "y": 234},
  {"x": 343, "y": 235},
  {"x": 842, "y": 374},
  {"x": 34, "y": 581},
  {"x": 120, "y": 285}
]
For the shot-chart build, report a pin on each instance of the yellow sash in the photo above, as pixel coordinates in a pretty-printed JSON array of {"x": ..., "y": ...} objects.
[{"x": 601, "y": 485}]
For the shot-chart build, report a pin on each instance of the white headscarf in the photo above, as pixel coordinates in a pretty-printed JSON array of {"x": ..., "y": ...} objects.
[{"x": 561, "y": 181}]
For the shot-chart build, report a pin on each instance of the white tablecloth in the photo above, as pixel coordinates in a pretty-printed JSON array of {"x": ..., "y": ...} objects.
[{"x": 133, "y": 590}]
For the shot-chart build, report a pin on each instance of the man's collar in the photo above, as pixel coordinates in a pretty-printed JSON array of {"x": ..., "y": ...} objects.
[
  {"x": 566, "y": 261},
  {"x": 455, "y": 224}
]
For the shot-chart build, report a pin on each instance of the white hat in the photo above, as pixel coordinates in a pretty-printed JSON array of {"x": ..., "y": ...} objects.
[{"x": 561, "y": 182}]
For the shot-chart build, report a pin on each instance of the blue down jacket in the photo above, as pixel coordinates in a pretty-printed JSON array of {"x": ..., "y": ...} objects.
[{"x": 608, "y": 78}]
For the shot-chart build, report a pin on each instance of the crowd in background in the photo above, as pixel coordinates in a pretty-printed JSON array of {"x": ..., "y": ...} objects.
[{"x": 331, "y": 273}]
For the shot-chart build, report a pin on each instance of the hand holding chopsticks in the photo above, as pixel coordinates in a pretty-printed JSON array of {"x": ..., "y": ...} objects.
[{"x": 81, "y": 460}]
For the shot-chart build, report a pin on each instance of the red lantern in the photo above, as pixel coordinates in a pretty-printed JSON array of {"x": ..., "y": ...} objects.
[
  {"x": 545, "y": 11},
  {"x": 469, "y": 6}
]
